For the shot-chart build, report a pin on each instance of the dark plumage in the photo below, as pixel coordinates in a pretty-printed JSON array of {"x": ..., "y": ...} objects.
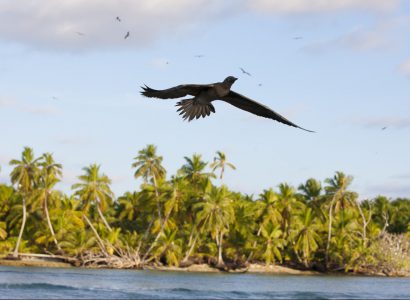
[
  {"x": 127, "y": 35},
  {"x": 201, "y": 104},
  {"x": 118, "y": 19}
]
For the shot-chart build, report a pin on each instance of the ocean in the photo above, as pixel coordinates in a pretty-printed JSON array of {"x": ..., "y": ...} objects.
[{"x": 74, "y": 283}]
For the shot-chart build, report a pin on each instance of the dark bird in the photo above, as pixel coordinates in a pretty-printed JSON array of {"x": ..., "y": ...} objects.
[
  {"x": 298, "y": 38},
  {"x": 201, "y": 104},
  {"x": 384, "y": 128},
  {"x": 260, "y": 84},
  {"x": 79, "y": 33},
  {"x": 55, "y": 98},
  {"x": 127, "y": 35},
  {"x": 118, "y": 19},
  {"x": 245, "y": 72},
  {"x": 199, "y": 55}
]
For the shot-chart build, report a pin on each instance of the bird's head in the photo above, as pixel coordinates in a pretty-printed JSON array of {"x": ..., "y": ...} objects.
[{"x": 230, "y": 80}]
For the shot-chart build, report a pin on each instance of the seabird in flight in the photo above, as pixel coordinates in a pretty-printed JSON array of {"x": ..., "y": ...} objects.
[{"x": 203, "y": 95}]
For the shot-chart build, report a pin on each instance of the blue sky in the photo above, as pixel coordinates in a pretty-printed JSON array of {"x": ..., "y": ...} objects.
[{"x": 77, "y": 96}]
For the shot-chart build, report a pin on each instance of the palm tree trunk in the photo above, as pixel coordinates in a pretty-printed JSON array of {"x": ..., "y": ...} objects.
[
  {"x": 23, "y": 224},
  {"x": 103, "y": 218},
  {"x": 157, "y": 200},
  {"x": 100, "y": 242},
  {"x": 220, "y": 259},
  {"x": 159, "y": 234},
  {"x": 188, "y": 253},
  {"x": 329, "y": 235},
  {"x": 49, "y": 221}
]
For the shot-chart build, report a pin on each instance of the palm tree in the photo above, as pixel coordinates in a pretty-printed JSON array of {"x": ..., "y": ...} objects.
[
  {"x": 149, "y": 167},
  {"x": 311, "y": 194},
  {"x": 272, "y": 235},
  {"x": 94, "y": 189},
  {"x": 336, "y": 191},
  {"x": 193, "y": 169},
  {"x": 50, "y": 174},
  {"x": 307, "y": 236},
  {"x": 220, "y": 163},
  {"x": 216, "y": 214},
  {"x": 288, "y": 202},
  {"x": 24, "y": 176}
]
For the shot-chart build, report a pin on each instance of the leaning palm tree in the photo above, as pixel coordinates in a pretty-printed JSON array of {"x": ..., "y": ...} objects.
[
  {"x": 50, "y": 175},
  {"x": 149, "y": 167},
  {"x": 94, "y": 189},
  {"x": 336, "y": 191},
  {"x": 220, "y": 162},
  {"x": 24, "y": 176}
]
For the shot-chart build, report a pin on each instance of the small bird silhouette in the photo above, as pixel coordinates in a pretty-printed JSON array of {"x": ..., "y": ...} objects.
[
  {"x": 199, "y": 55},
  {"x": 384, "y": 128},
  {"x": 54, "y": 98},
  {"x": 127, "y": 35},
  {"x": 201, "y": 104},
  {"x": 79, "y": 33},
  {"x": 118, "y": 19},
  {"x": 298, "y": 38},
  {"x": 245, "y": 72},
  {"x": 260, "y": 84}
]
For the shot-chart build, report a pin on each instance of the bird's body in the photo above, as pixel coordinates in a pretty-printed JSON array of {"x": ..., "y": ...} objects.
[
  {"x": 204, "y": 94},
  {"x": 118, "y": 19},
  {"x": 127, "y": 35}
]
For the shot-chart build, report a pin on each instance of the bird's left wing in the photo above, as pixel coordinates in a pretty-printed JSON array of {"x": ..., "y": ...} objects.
[
  {"x": 256, "y": 108},
  {"x": 176, "y": 91}
]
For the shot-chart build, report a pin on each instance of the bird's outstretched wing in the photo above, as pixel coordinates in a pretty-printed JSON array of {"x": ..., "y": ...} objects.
[
  {"x": 256, "y": 108},
  {"x": 176, "y": 91}
]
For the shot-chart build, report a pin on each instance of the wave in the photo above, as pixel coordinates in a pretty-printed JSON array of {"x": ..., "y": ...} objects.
[{"x": 36, "y": 286}]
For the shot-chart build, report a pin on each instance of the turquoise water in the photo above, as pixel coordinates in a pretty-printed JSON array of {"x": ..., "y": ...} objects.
[{"x": 130, "y": 284}]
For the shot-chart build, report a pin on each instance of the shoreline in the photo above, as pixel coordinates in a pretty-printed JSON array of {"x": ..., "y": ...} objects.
[{"x": 200, "y": 268}]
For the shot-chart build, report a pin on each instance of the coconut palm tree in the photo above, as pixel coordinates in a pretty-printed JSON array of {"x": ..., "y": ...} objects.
[
  {"x": 216, "y": 214},
  {"x": 24, "y": 176},
  {"x": 288, "y": 203},
  {"x": 49, "y": 175},
  {"x": 149, "y": 166},
  {"x": 94, "y": 189},
  {"x": 307, "y": 237},
  {"x": 220, "y": 162},
  {"x": 193, "y": 169},
  {"x": 338, "y": 196},
  {"x": 273, "y": 243}
]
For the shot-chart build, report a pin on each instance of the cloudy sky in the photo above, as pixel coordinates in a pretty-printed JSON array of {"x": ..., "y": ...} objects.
[{"x": 70, "y": 82}]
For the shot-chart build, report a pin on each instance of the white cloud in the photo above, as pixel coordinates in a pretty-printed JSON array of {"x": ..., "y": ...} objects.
[
  {"x": 405, "y": 67},
  {"x": 56, "y": 24},
  {"x": 320, "y": 6}
]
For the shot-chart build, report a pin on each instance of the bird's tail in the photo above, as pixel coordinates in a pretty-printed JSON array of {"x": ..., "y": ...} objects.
[{"x": 190, "y": 109}]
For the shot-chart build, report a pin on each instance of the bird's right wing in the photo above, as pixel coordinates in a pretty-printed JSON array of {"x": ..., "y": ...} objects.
[
  {"x": 176, "y": 91},
  {"x": 256, "y": 108}
]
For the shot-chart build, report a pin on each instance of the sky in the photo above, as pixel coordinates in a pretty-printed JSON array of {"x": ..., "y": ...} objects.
[{"x": 70, "y": 85}]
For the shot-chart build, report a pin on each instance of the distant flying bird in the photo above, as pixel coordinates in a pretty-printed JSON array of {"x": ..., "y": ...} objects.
[
  {"x": 54, "y": 98},
  {"x": 127, "y": 35},
  {"x": 118, "y": 19},
  {"x": 260, "y": 84},
  {"x": 298, "y": 37},
  {"x": 245, "y": 72},
  {"x": 79, "y": 33},
  {"x": 199, "y": 55},
  {"x": 384, "y": 128},
  {"x": 201, "y": 104}
]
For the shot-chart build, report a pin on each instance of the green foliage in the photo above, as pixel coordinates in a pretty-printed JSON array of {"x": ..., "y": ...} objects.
[{"x": 188, "y": 217}]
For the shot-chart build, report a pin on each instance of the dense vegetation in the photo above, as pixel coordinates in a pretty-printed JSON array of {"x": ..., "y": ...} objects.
[{"x": 187, "y": 217}]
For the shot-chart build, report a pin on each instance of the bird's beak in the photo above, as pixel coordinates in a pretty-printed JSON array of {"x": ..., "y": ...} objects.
[{"x": 235, "y": 78}]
